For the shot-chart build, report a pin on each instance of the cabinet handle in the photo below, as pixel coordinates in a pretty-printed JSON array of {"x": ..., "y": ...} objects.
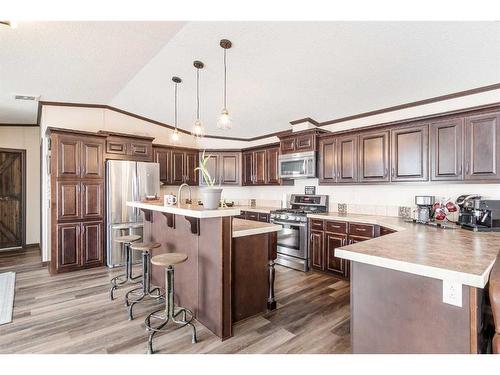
[
  {"x": 338, "y": 174},
  {"x": 460, "y": 169},
  {"x": 385, "y": 172},
  {"x": 392, "y": 171},
  {"x": 467, "y": 168}
]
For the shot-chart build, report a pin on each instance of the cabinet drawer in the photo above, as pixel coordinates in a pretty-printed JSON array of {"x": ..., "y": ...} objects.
[
  {"x": 363, "y": 230},
  {"x": 252, "y": 216},
  {"x": 264, "y": 218},
  {"x": 384, "y": 231},
  {"x": 336, "y": 227},
  {"x": 317, "y": 224}
]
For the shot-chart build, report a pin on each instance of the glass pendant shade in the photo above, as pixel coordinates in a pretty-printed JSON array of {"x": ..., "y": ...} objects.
[
  {"x": 224, "y": 121},
  {"x": 198, "y": 130}
]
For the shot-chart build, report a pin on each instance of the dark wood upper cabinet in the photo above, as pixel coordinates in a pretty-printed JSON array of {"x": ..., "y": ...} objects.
[
  {"x": 142, "y": 149},
  {"x": 128, "y": 147},
  {"x": 272, "y": 156},
  {"x": 247, "y": 172},
  {"x": 287, "y": 145},
  {"x": 92, "y": 243},
  {"x": 212, "y": 166},
  {"x": 327, "y": 160},
  {"x": 177, "y": 168},
  {"x": 260, "y": 167},
  {"x": 68, "y": 200},
  {"x": 409, "y": 146},
  {"x": 300, "y": 142},
  {"x": 92, "y": 158},
  {"x": 482, "y": 147},
  {"x": 347, "y": 158},
  {"x": 446, "y": 150},
  {"x": 229, "y": 168},
  {"x": 191, "y": 176},
  {"x": 374, "y": 157},
  {"x": 92, "y": 200},
  {"x": 162, "y": 157},
  {"x": 305, "y": 142},
  {"x": 68, "y": 156}
]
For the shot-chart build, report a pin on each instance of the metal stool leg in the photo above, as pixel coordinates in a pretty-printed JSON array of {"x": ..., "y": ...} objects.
[
  {"x": 169, "y": 312},
  {"x": 121, "y": 280}
]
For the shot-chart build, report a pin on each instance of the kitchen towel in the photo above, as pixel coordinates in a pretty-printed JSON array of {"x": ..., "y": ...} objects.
[{"x": 7, "y": 283}]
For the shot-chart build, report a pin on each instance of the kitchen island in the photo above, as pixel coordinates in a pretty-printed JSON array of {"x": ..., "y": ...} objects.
[
  {"x": 229, "y": 274},
  {"x": 418, "y": 290}
]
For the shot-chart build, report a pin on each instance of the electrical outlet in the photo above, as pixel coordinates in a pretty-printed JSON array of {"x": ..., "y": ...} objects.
[{"x": 452, "y": 293}]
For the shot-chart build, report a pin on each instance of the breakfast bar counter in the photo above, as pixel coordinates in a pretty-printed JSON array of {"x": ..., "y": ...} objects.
[{"x": 229, "y": 273}]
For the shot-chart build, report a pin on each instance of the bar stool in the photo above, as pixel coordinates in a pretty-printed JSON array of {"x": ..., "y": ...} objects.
[
  {"x": 121, "y": 280},
  {"x": 145, "y": 289},
  {"x": 169, "y": 312}
]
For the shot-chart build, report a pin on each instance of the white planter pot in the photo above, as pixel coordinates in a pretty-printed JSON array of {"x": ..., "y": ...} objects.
[{"x": 211, "y": 197}]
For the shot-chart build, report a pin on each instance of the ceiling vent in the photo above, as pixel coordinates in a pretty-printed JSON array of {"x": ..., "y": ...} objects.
[{"x": 27, "y": 97}]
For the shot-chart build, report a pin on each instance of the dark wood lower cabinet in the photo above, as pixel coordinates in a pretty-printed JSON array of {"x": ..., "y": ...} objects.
[
  {"x": 255, "y": 216},
  {"x": 92, "y": 243},
  {"x": 334, "y": 264},
  {"x": 316, "y": 250}
]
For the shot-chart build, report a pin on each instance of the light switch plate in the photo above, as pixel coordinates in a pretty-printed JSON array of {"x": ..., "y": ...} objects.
[{"x": 452, "y": 293}]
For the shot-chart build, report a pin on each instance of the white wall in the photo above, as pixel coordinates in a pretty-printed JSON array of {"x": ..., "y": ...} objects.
[{"x": 27, "y": 138}]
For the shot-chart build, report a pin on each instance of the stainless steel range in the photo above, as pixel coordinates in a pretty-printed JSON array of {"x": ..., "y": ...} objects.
[{"x": 292, "y": 239}]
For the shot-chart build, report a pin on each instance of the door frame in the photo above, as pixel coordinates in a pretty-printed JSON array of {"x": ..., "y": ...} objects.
[{"x": 22, "y": 152}]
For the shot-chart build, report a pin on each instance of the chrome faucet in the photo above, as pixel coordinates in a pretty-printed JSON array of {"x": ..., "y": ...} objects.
[{"x": 179, "y": 200}]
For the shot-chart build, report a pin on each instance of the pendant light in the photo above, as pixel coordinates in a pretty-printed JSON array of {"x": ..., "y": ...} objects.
[
  {"x": 224, "y": 121},
  {"x": 175, "y": 133},
  {"x": 198, "y": 130}
]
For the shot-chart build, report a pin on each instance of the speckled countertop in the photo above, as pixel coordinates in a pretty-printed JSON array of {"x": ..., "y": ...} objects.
[
  {"x": 260, "y": 209},
  {"x": 447, "y": 254},
  {"x": 242, "y": 228}
]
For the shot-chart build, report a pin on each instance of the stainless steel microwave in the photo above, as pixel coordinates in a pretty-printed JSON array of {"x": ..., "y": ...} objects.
[{"x": 299, "y": 165}]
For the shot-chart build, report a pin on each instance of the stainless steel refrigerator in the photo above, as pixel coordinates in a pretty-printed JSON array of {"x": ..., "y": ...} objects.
[{"x": 126, "y": 181}]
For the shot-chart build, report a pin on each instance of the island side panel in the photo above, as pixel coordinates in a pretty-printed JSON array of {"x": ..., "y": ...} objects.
[
  {"x": 397, "y": 312},
  {"x": 178, "y": 239}
]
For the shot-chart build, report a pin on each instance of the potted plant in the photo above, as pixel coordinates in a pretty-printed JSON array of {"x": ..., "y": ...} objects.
[{"x": 210, "y": 195}]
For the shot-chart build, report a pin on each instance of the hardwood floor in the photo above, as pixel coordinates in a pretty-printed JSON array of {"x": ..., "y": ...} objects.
[{"x": 72, "y": 313}]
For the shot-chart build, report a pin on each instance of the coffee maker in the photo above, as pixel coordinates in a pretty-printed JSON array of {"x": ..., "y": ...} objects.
[
  {"x": 479, "y": 215},
  {"x": 424, "y": 212}
]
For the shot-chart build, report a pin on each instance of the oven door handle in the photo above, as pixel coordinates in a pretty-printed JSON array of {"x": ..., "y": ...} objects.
[{"x": 290, "y": 224}]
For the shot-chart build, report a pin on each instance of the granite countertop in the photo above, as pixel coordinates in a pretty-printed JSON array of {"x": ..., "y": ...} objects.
[
  {"x": 448, "y": 254},
  {"x": 187, "y": 209},
  {"x": 242, "y": 227}
]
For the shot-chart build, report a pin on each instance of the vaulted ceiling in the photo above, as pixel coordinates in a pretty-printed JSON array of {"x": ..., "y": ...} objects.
[{"x": 277, "y": 71}]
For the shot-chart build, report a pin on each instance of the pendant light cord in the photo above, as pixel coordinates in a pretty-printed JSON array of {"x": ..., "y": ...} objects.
[
  {"x": 197, "y": 93},
  {"x": 175, "y": 105},
  {"x": 225, "y": 84}
]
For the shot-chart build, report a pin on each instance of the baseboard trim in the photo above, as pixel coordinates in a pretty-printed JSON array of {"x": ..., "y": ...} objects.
[{"x": 28, "y": 245}]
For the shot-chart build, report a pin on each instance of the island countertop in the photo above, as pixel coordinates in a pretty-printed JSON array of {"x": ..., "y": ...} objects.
[
  {"x": 190, "y": 210},
  {"x": 242, "y": 227},
  {"x": 447, "y": 254}
]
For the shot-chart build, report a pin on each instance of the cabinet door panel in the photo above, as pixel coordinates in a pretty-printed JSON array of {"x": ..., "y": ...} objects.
[
  {"x": 247, "y": 168},
  {"x": 92, "y": 199},
  {"x": 317, "y": 250},
  {"x": 260, "y": 167},
  {"x": 272, "y": 158},
  {"x": 230, "y": 168},
  {"x": 68, "y": 246},
  {"x": 333, "y": 264},
  {"x": 92, "y": 159},
  {"x": 191, "y": 163},
  {"x": 68, "y": 200},
  {"x": 327, "y": 161},
  {"x": 374, "y": 157},
  {"x": 116, "y": 147},
  {"x": 482, "y": 147},
  {"x": 446, "y": 150},
  {"x": 347, "y": 159},
  {"x": 92, "y": 243},
  {"x": 304, "y": 142},
  {"x": 287, "y": 145},
  {"x": 162, "y": 157},
  {"x": 177, "y": 167},
  {"x": 68, "y": 156},
  {"x": 409, "y": 147},
  {"x": 141, "y": 149},
  {"x": 212, "y": 166}
]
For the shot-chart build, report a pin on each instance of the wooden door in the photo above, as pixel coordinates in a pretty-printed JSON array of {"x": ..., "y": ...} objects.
[
  {"x": 191, "y": 163},
  {"x": 316, "y": 250},
  {"x": 347, "y": 158},
  {"x": 230, "y": 168},
  {"x": 92, "y": 243},
  {"x": 162, "y": 157},
  {"x": 409, "y": 146},
  {"x": 333, "y": 264},
  {"x": 92, "y": 199},
  {"x": 92, "y": 158},
  {"x": 68, "y": 247},
  {"x": 68, "y": 200},
  {"x": 212, "y": 166},
  {"x": 68, "y": 156},
  {"x": 247, "y": 168},
  {"x": 327, "y": 161},
  {"x": 12, "y": 198},
  {"x": 446, "y": 150},
  {"x": 482, "y": 147},
  {"x": 177, "y": 167},
  {"x": 272, "y": 156},
  {"x": 260, "y": 167},
  {"x": 374, "y": 157},
  {"x": 287, "y": 145}
]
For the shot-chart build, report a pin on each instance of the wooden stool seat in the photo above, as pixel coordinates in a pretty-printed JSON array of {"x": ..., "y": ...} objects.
[
  {"x": 128, "y": 239},
  {"x": 169, "y": 259},
  {"x": 144, "y": 246}
]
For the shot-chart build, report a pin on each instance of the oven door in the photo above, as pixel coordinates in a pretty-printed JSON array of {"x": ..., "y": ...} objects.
[{"x": 292, "y": 239}]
